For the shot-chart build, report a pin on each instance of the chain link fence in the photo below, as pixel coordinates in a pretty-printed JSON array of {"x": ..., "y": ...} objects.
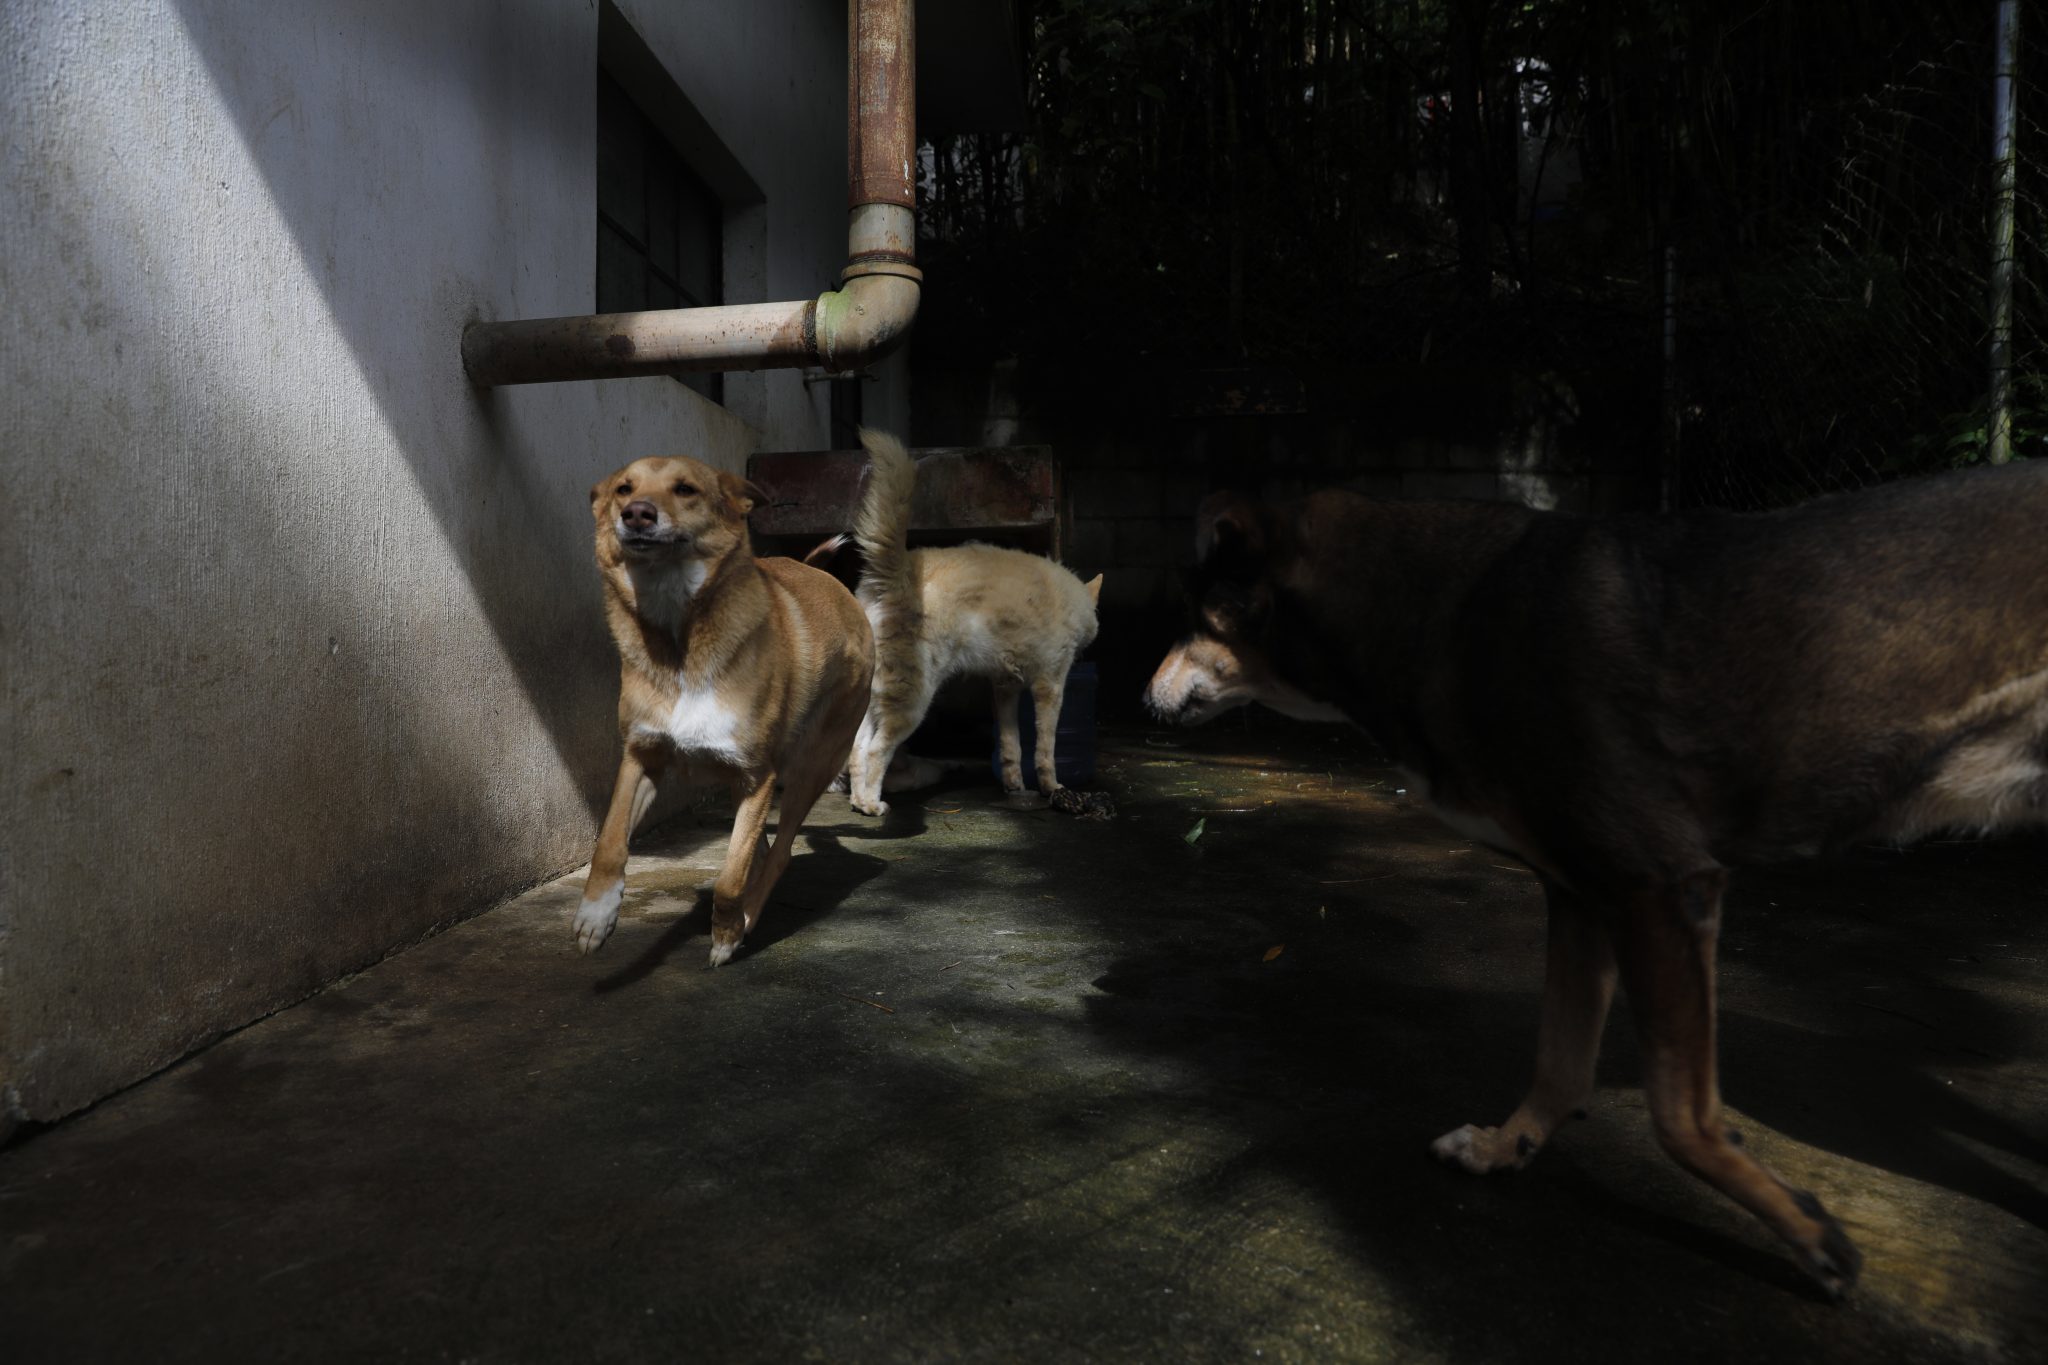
[
  {"x": 1760, "y": 267},
  {"x": 1862, "y": 353}
]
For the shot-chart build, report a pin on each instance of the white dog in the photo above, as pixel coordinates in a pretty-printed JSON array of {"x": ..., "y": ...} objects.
[{"x": 1016, "y": 619}]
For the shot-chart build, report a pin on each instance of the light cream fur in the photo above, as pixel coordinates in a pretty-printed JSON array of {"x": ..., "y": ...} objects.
[
  {"x": 1992, "y": 781},
  {"x": 975, "y": 610}
]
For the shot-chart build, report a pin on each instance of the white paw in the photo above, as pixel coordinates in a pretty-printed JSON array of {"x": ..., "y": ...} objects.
[
  {"x": 721, "y": 953},
  {"x": 1483, "y": 1150},
  {"x": 1459, "y": 1148},
  {"x": 595, "y": 919},
  {"x": 875, "y": 807}
]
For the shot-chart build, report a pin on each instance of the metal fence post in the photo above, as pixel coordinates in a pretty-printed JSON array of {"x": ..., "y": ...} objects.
[{"x": 1998, "y": 423}]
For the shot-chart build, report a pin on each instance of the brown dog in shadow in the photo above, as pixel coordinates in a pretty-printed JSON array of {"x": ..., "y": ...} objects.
[{"x": 1634, "y": 706}]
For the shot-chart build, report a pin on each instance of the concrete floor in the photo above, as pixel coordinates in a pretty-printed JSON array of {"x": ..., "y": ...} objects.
[{"x": 990, "y": 1083}]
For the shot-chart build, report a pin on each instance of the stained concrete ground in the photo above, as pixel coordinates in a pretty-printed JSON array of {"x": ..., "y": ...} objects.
[{"x": 989, "y": 1083}]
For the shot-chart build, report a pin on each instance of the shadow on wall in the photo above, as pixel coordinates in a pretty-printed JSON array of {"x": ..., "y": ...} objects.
[
  {"x": 351, "y": 682},
  {"x": 510, "y": 514}
]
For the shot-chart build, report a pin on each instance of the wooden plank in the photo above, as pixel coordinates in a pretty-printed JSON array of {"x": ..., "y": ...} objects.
[{"x": 958, "y": 489}]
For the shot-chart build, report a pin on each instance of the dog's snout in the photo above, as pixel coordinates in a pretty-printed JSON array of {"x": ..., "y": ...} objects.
[{"x": 640, "y": 515}]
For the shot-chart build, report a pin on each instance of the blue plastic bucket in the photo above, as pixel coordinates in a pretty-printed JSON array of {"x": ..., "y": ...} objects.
[{"x": 1073, "y": 744}]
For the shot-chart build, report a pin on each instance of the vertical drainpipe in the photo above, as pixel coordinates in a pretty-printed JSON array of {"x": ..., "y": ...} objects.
[
  {"x": 1998, "y": 425},
  {"x": 842, "y": 329},
  {"x": 881, "y": 153}
]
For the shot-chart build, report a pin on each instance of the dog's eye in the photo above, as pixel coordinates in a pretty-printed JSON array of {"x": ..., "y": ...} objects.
[
  {"x": 684, "y": 489},
  {"x": 623, "y": 489}
]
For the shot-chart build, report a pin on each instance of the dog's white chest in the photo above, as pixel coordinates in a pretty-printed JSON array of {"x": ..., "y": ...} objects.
[{"x": 701, "y": 725}]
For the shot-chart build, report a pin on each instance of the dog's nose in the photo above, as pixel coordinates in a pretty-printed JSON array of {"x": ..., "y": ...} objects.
[{"x": 640, "y": 515}]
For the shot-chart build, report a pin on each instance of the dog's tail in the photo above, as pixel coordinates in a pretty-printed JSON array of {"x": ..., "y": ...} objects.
[
  {"x": 825, "y": 551},
  {"x": 881, "y": 525}
]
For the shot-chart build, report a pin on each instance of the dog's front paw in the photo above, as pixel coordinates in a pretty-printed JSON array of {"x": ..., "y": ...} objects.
[
  {"x": 1484, "y": 1150},
  {"x": 596, "y": 919},
  {"x": 875, "y": 807},
  {"x": 722, "y": 948},
  {"x": 1830, "y": 1257}
]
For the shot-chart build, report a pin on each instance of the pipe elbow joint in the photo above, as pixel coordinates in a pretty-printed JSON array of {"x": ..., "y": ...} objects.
[{"x": 866, "y": 317}]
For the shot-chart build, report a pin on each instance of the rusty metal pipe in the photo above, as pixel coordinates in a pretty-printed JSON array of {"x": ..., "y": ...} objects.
[
  {"x": 842, "y": 329},
  {"x": 881, "y": 102}
]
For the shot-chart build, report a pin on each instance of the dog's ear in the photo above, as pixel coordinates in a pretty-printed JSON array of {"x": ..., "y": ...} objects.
[
  {"x": 1094, "y": 587},
  {"x": 745, "y": 494},
  {"x": 1230, "y": 532}
]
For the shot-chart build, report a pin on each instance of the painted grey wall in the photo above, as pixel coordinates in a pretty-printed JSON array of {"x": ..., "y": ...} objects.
[{"x": 302, "y": 653}]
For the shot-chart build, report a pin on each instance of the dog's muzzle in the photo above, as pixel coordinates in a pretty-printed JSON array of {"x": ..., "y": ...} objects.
[
  {"x": 1176, "y": 695},
  {"x": 648, "y": 542}
]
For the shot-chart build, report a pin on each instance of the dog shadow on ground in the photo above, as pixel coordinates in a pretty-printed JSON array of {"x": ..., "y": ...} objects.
[
  {"x": 1339, "y": 1077},
  {"x": 1338, "y": 1059},
  {"x": 1341, "y": 1073},
  {"x": 1902, "y": 965},
  {"x": 812, "y": 887}
]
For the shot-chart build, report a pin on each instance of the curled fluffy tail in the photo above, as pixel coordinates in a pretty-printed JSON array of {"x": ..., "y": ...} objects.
[
  {"x": 825, "y": 551},
  {"x": 881, "y": 525}
]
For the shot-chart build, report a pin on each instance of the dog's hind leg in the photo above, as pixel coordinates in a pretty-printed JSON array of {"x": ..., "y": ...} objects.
[
  {"x": 803, "y": 783},
  {"x": 1047, "y": 692},
  {"x": 1578, "y": 986},
  {"x": 1666, "y": 943},
  {"x": 729, "y": 893},
  {"x": 1009, "y": 745},
  {"x": 632, "y": 793}
]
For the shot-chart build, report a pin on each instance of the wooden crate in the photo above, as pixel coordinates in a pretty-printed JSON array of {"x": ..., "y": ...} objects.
[{"x": 1007, "y": 495}]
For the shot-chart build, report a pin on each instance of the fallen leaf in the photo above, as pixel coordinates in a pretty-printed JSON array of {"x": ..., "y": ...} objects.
[
  {"x": 1275, "y": 951},
  {"x": 1196, "y": 832}
]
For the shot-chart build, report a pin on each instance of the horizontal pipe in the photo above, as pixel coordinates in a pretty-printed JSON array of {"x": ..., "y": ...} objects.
[
  {"x": 843, "y": 329},
  {"x": 747, "y": 336}
]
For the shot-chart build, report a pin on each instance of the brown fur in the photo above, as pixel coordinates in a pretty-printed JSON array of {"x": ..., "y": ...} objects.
[
  {"x": 743, "y": 670},
  {"x": 1633, "y": 707}
]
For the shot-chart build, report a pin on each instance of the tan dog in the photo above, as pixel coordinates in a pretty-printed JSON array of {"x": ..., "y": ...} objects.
[
  {"x": 754, "y": 671},
  {"x": 1016, "y": 619}
]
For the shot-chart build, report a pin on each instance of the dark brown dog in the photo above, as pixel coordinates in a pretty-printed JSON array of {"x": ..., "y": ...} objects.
[
  {"x": 1634, "y": 706},
  {"x": 749, "y": 671}
]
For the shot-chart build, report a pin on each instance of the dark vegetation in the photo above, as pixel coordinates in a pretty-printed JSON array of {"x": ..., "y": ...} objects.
[{"x": 1343, "y": 190}]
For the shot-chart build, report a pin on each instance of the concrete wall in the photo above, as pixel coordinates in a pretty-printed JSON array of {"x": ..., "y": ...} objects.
[{"x": 302, "y": 654}]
